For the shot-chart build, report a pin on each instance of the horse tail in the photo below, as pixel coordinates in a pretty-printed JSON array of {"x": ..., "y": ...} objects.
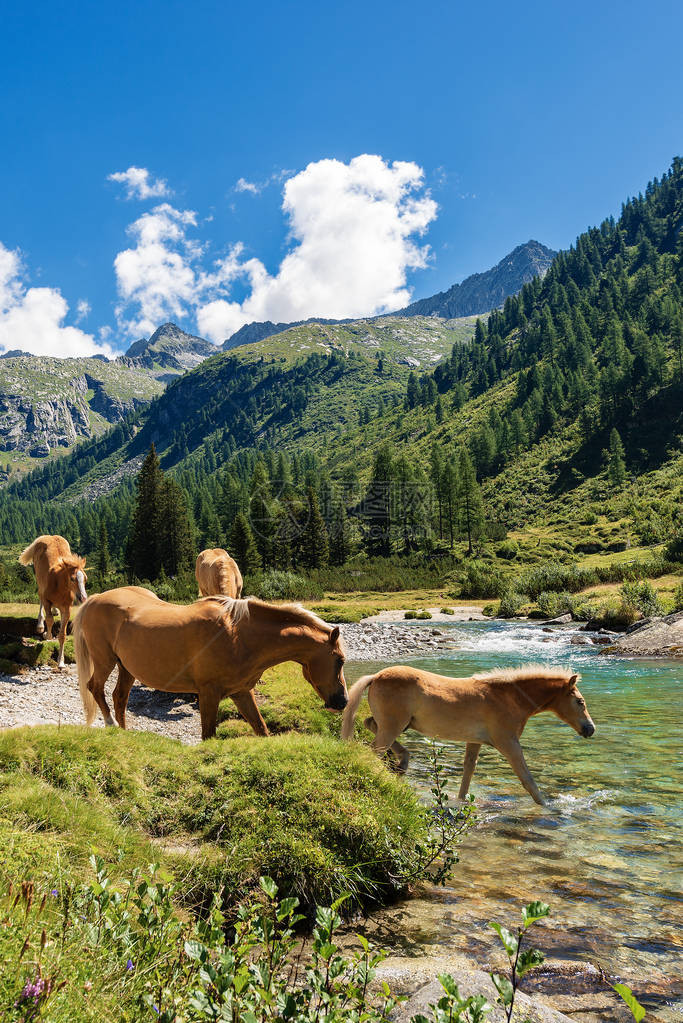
[
  {"x": 26, "y": 556},
  {"x": 355, "y": 696},
  {"x": 84, "y": 667}
]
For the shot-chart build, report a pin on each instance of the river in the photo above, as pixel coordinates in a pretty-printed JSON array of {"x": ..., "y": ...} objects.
[{"x": 605, "y": 853}]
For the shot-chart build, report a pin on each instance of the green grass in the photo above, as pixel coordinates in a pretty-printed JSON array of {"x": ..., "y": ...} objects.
[
  {"x": 319, "y": 816},
  {"x": 287, "y": 703}
]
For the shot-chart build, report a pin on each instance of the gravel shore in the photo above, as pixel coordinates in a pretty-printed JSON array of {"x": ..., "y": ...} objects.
[{"x": 47, "y": 696}]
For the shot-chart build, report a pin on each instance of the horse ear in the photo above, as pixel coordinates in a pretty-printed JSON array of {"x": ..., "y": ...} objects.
[
  {"x": 573, "y": 681},
  {"x": 82, "y": 562},
  {"x": 334, "y": 635}
]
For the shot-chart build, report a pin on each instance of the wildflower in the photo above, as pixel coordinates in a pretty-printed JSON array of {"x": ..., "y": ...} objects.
[
  {"x": 156, "y": 1009},
  {"x": 54, "y": 892},
  {"x": 130, "y": 965}
]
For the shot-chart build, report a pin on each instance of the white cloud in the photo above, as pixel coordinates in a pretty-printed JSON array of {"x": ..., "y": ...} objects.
[
  {"x": 353, "y": 232},
  {"x": 139, "y": 184},
  {"x": 242, "y": 185},
  {"x": 31, "y": 319},
  {"x": 83, "y": 309},
  {"x": 157, "y": 275}
]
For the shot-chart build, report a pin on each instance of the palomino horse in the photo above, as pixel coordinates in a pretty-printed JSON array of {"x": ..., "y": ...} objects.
[
  {"x": 216, "y": 647},
  {"x": 217, "y": 573},
  {"x": 61, "y": 579},
  {"x": 490, "y": 709}
]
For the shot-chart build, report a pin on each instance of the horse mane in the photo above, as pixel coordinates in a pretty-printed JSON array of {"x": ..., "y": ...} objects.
[
  {"x": 527, "y": 673},
  {"x": 231, "y": 607},
  {"x": 70, "y": 561}
]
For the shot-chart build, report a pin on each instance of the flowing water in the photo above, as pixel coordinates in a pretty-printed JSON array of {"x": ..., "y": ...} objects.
[{"x": 605, "y": 853}]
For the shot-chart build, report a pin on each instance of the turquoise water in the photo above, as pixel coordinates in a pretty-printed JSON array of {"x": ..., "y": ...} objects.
[{"x": 605, "y": 853}]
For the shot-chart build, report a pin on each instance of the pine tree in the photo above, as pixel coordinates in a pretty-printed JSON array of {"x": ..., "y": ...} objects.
[
  {"x": 142, "y": 558},
  {"x": 340, "y": 536},
  {"x": 103, "y": 563},
  {"x": 314, "y": 544},
  {"x": 616, "y": 467},
  {"x": 449, "y": 491},
  {"x": 469, "y": 498},
  {"x": 377, "y": 504},
  {"x": 243, "y": 547},
  {"x": 175, "y": 544}
]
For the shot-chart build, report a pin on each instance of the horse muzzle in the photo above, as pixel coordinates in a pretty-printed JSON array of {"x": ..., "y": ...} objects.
[
  {"x": 587, "y": 730},
  {"x": 337, "y": 702}
]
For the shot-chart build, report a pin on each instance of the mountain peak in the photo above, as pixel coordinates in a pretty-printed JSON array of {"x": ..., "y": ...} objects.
[
  {"x": 172, "y": 348},
  {"x": 482, "y": 292}
]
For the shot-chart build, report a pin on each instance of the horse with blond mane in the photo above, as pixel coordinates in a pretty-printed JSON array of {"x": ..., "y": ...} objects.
[
  {"x": 217, "y": 573},
  {"x": 61, "y": 579},
  {"x": 490, "y": 709},
  {"x": 216, "y": 647}
]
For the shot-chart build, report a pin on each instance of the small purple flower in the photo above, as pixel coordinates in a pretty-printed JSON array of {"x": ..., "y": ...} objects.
[
  {"x": 156, "y": 1009},
  {"x": 129, "y": 965},
  {"x": 54, "y": 892}
]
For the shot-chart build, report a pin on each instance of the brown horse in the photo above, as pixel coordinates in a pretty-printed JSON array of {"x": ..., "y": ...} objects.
[
  {"x": 216, "y": 647},
  {"x": 61, "y": 579},
  {"x": 217, "y": 573},
  {"x": 490, "y": 709}
]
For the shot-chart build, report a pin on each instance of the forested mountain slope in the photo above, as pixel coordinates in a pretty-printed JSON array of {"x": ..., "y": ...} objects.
[{"x": 569, "y": 401}]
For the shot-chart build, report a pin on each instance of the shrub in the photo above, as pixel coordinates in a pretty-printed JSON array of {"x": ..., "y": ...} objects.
[
  {"x": 678, "y": 597},
  {"x": 410, "y": 615},
  {"x": 553, "y": 604},
  {"x": 507, "y": 550},
  {"x": 674, "y": 548},
  {"x": 641, "y": 597},
  {"x": 481, "y": 581},
  {"x": 423, "y": 615},
  {"x": 447, "y": 611},
  {"x": 274, "y": 584},
  {"x": 511, "y": 604}
]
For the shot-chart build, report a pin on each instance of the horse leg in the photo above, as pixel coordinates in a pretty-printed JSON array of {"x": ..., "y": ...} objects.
[
  {"x": 121, "y": 693},
  {"x": 64, "y": 615},
  {"x": 49, "y": 620},
  {"x": 471, "y": 755},
  {"x": 403, "y": 757},
  {"x": 40, "y": 627},
  {"x": 96, "y": 686},
  {"x": 512, "y": 751},
  {"x": 208, "y": 711},
  {"x": 246, "y": 705}
]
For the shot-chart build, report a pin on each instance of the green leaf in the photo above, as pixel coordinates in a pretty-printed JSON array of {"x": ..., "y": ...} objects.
[
  {"x": 534, "y": 911},
  {"x": 634, "y": 1005},
  {"x": 449, "y": 985},
  {"x": 268, "y": 886},
  {"x": 528, "y": 959},
  {"x": 509, "y": 940},
  {"x": 504, "y": 988}
]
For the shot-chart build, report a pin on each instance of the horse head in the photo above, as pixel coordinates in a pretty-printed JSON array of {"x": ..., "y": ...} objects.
[
  {"x": 77, "y": 579},
  {"x": 324, "y": 669},
  {"x": 570, "y": 707}
]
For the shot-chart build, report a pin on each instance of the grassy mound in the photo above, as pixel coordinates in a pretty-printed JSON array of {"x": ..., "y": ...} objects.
[
  {"x": 319, "y": 817},
  {"x": 287, "y": 704}
]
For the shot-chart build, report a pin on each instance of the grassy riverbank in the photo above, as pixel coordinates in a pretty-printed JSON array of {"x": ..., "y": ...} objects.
[{"x": 319, "y": 817}]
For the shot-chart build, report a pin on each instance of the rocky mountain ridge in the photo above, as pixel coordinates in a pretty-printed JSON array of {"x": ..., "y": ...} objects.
[
  {"x": 482, "y": 292},
  {"x": 476, "y": 295},
  {"x": 169, "y": 351},
  {"x": 48, "y": 404}
]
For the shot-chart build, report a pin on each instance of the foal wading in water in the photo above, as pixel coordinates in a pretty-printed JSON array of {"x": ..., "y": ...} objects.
[
  {"x": 216, "y": 647},
  {"x": 491, "y": 709},
  {"x": 61, "y": 579}
]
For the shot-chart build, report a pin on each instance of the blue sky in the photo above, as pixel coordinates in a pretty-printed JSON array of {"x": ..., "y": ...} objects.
[{"x": 484, "y": 125}]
